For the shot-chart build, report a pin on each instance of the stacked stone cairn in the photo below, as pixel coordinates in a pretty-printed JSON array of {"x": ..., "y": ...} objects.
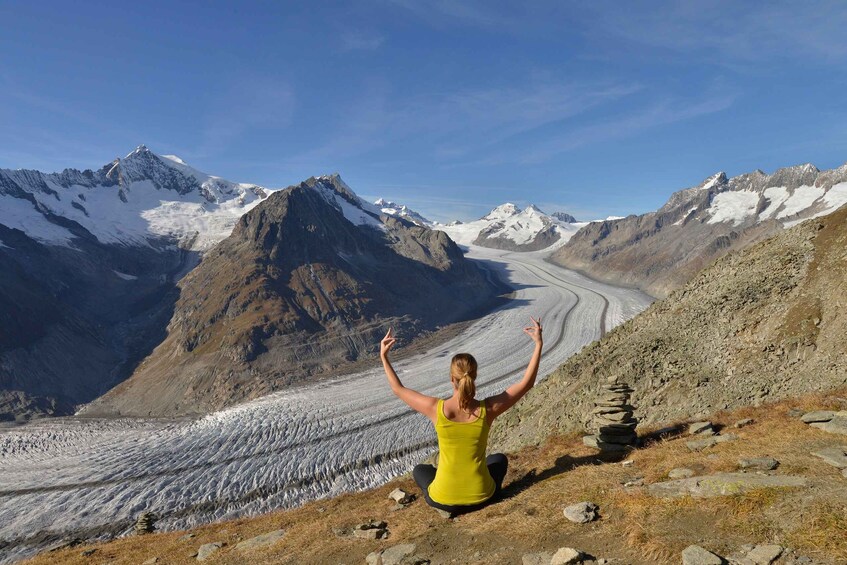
[
  {"x": 613, "y": 418},
  {"x": 145, "y": 523}
]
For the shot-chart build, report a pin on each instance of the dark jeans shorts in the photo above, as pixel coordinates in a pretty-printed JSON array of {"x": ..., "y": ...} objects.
[{"x": 424, "y": 475}]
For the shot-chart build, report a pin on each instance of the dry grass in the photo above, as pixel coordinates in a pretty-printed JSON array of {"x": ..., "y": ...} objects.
[{"x": 634, "y": 527}]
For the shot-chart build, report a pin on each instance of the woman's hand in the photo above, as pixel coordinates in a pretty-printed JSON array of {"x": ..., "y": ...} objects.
[
  {"x": 534, "y": 331},
  {"x": 386, "y": 344}
]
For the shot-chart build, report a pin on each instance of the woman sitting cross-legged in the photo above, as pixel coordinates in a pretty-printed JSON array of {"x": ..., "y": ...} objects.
[{"x": 465, "y": 479}]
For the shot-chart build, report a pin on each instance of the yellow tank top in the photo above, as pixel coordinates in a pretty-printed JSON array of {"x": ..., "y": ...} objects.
[{"x": 462, "y": 477}]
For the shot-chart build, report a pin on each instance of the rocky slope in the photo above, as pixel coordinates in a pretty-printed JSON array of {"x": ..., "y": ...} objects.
[
  {"x": 661, "y": 250},
  {"x": 308, "y": 281},
  {"x": 510, "y": 228},
  {"x": 766, "y": 322}
]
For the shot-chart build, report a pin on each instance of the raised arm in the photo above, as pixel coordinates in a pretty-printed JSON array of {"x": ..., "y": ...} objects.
[
  {"x": 422, "y": 403},
  {"x": 499, "y": 403}
]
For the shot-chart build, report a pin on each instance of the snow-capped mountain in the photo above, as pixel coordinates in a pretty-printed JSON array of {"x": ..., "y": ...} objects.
[
  {"x": 129, "y": 201},
  {"x": 510, "y": 228},
  {"x": 308, "y": 281},
  {"x": 401, "y": 211},
  {"x": 661, "y": 250}
]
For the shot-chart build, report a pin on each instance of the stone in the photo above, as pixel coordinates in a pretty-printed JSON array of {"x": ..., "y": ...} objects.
[
  {"x": 260, "y": 541},
  {"x": 400, "y": 496},
  {"x": 582, "y": 512},
  {"x": 838, "y": 425},
  {"x": 208, "y": 549},
  {"x": 612, "y": 408},
  {"x": 696, "y": 555},
  {"x": 627, "y": 463},
  {"x": 594, "y": 441},
  {"x": 395, "y": 555},
  {"x": 444, "y": 514},
  {"x": 759, "y": 463},
  {"x": 765, "y": 554},
  {"x": 681, "y": 473},
  {"x": 624, "y": 416},
  {"x": 627, "y": 440},
  {"x": 88, "y": 552},
  {"x": 706, "y": 442},
  {"x": 722, "y": 484},
  {"x": 566, "y": 556},
  {"x": 835, "y": 456},
  {"x": 700, "y": 427},
  {"x": 370, "y": 534},
  {"x": 844, "y": 473},
  {"x": 817, "y": 416},
  {"x": 542, "y": 558},
  {"x": 151, "y": 561},
  {"x": 701, "y": 444},
  {"x": 743, "y": 423},
  {"x": 186, "y": 537}
]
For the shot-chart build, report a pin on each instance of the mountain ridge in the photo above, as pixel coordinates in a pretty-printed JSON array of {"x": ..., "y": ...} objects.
[{"x": 658, "y": 251}]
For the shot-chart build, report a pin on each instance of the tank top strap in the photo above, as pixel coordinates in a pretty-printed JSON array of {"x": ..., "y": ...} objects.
[{"x": 439, "y": 407}]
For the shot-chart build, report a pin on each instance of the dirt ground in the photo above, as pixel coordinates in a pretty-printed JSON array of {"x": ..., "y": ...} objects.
[{"x": 634, "y": 527}]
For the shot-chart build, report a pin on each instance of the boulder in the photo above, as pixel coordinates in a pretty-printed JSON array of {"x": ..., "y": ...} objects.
[
  {"x": 701, "y": 428},
  {"x": 743, "y": 423},
  {"x": 582, "y": 512},
  {"x": 838, "y": 425},
  {"x": 722, "y": 484},
  {"x": 208, "y": 549},
  {"x": 835, "y": 456},
  {"x": 260, "y": 541},
  {"x": 566, "y": 556},
  {"x": 759, "y": 463},
  {"x": 765, "y": 554},
  {"x": 817, "y": 416},
  {"x": 696, "y": 555}
]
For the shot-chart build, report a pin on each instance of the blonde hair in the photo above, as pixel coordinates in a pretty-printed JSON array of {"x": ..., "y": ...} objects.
[{"x": 463, "y": 373}]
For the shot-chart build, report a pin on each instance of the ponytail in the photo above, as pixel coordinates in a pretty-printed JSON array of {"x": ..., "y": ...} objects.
[{"x": 463, "y": 373}]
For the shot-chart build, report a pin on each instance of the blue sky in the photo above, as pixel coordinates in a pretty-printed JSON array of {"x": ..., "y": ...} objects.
[{"x": 595, "y": 108}]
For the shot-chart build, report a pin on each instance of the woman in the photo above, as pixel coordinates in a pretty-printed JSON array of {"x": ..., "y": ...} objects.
[{"x": 465, "y": 479}]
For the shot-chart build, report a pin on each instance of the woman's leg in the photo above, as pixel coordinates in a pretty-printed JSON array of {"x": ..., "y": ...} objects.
[
  {"x": 424, "y": 475},
  {"x": 497, "y": 464}
]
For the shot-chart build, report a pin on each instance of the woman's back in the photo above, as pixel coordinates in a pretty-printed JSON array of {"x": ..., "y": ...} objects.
[{"x": 462, "y": 477}]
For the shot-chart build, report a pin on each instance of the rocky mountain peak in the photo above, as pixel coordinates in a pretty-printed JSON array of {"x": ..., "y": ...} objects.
[
  {"x": 564, "y": 217},
  {"x": 716, "y": 179}
]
